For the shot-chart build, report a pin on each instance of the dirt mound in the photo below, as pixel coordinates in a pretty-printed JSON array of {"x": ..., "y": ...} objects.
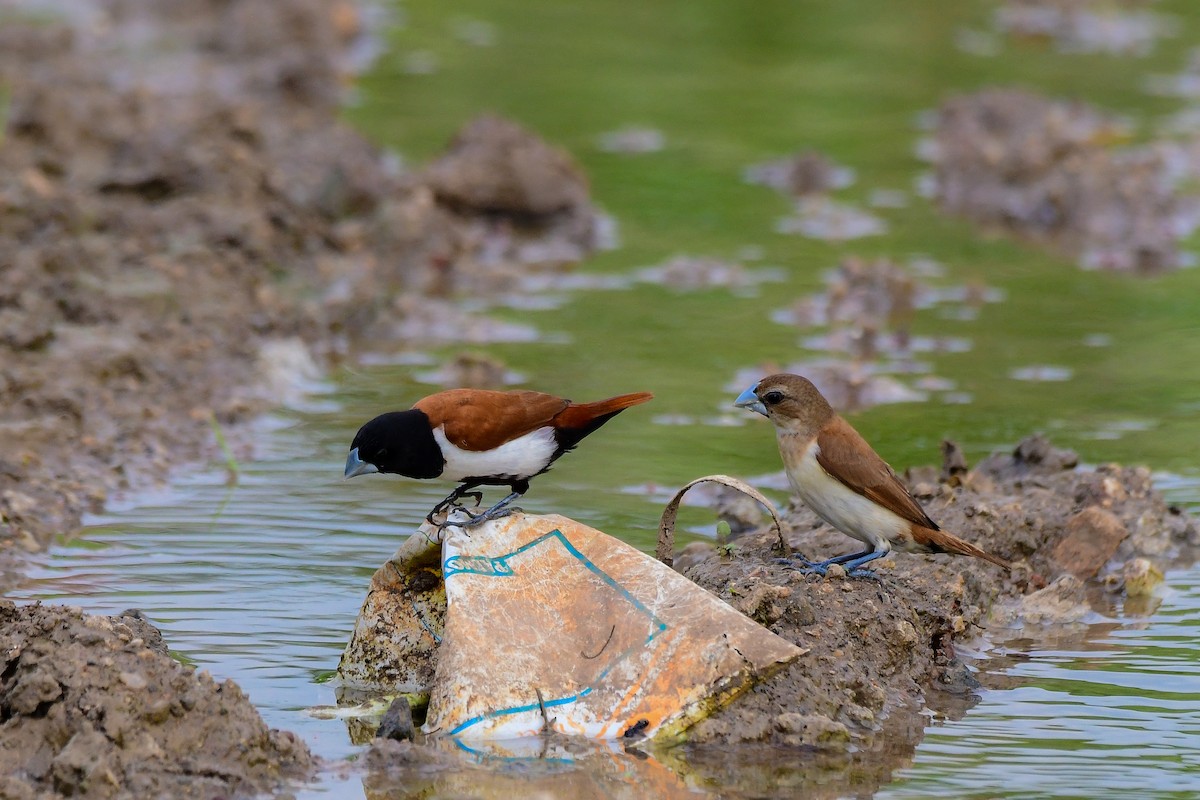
[
  {"x": 183, "y": 231},
  {"x": 94, "y": 707},
  {"x": 875, "y": 647},
  {"x": 1050, "y": 170}
]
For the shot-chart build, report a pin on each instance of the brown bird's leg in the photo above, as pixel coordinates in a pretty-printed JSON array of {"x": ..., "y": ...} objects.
[{"x": 853, "y": 562}]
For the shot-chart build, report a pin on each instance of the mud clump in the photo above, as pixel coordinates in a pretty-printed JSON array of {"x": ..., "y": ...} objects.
[
  {"x": 186, "y": 229},
  {"x": 92, "y": 706},
  {"x": 173, "y": 218},
  {"x": 879, "y": 650},
  {"x": 861, "y": 322},
  {"x": 493, "y": 166},
  {"x": 1051, "y": 171}
]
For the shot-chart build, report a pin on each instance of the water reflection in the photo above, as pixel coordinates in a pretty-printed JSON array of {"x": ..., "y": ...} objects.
[{"x": 1113, "y": 711}]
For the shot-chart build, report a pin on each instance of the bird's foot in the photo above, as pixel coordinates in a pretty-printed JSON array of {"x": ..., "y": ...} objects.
[
  {"x": 489, "y": 515},
  {"x": 806, "y": 567},
  {"x": 449, "y": 504}
]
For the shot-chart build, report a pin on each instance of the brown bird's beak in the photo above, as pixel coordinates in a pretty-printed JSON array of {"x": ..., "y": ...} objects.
[{"x": 748, "y": 399}]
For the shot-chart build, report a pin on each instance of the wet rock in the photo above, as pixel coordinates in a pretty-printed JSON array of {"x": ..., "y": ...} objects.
[
  {"x": 90, "y": 710},
  {"x": 397, "y": 722},
  {"x": 954, "y": 463},
  {"x": 1140, "y": 577},
  {"x": 691, "y": 554},
  {"x": 1092, "y": 537},
  {"x": 1062, "y": 602}
]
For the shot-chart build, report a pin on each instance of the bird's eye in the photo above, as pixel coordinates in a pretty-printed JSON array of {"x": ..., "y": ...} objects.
[
  {"x": 771, "y": 398},
  {"x": 382, "y": 452}
]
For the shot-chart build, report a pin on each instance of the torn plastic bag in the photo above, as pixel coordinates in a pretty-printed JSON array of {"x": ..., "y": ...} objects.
[{"x": 550, "y": 625}]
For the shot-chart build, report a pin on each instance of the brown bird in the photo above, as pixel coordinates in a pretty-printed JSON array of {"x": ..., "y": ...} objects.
[
  {"x": 837, "y": 474},
  {"x": 480, "y": 438}
]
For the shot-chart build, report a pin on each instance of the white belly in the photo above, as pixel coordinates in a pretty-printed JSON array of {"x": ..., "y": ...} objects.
[
  {"x": 842, "y": 507},
  {"x": 521, "y": 458}
]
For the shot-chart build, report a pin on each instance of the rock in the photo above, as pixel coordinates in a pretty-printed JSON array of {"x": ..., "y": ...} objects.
[
  {"x": 397, "y": 722},
  {"x": 1141, "y": 578},
  {"x": 1062, "y": 602},
  {"x": 494, "y": 166},
  {"x": 1092, "y": 537}
]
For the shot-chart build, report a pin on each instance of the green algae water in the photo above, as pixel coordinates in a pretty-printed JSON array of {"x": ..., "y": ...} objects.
[{"x": 260, "y": 581}]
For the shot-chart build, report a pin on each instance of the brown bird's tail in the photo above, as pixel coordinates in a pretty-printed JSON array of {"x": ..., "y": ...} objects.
[
  {"x": 579, "y": 419},
  {"x": 943, "y": 542}
]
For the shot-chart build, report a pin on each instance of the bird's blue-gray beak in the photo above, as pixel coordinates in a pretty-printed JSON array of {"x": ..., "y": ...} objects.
[
  {"x": 748, "y": 399},
  {"x": 356, "y": 466}
]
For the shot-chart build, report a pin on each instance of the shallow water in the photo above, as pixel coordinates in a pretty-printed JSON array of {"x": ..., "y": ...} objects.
[{"x": 260, "y": 581}]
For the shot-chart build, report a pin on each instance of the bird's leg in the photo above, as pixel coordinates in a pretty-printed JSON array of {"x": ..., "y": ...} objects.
[
  {"x": 502, "y": 509},
  {"x": 462, "y": 491},
  {"x": 854, "y": 567},
  {"x": 835, "y": 560}
]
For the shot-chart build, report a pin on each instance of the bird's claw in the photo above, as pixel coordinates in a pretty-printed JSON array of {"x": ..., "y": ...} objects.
[
  {"x": 491, "y": 514},
  {"x": 472, "y": 519}
]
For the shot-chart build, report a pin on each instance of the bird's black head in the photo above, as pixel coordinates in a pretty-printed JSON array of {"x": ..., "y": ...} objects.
[{"x": 400, "y": 442}]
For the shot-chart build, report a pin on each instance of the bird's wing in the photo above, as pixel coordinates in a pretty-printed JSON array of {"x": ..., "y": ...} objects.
[
  {"x": 845, "y": 455},
  {"x": 479, "y": 420}
]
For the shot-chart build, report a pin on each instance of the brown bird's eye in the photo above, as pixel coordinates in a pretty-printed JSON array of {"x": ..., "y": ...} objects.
[{"x": 771, "y": 398}]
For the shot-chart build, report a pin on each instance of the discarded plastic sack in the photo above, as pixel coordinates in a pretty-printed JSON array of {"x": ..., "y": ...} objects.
[{"x": 550, "y": 625}]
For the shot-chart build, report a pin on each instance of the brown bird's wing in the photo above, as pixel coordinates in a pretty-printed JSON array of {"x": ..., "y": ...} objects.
[
  {"x": 478, "y": 420},
  {"x": 845, "y": 455}
]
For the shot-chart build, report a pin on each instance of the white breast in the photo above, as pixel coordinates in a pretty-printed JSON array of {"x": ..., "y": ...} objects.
[
  {"x": 843, "y": 508},
  {"x": 523, "y": 457}
]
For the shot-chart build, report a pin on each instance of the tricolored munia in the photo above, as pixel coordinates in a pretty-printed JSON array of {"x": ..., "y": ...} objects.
[{"x": 479, "y": 438}]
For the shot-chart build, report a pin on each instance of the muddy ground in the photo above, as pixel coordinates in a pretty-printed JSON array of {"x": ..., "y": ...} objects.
[
  {"x": 186, "y": 230},
  {"x": 881, "y": 651},
  {"x": 881, "y": 654},
  {"x": 186, "y": 227}
]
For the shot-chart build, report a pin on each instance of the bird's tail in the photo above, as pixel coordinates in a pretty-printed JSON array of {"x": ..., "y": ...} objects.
[
  {"x": 579, "y": 419},
  {"x": 943, "y": 542}
]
